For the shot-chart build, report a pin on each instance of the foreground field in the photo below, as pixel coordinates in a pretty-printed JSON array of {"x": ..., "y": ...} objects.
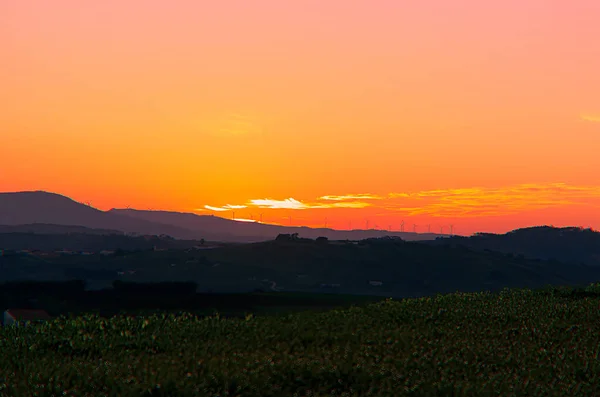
[{"x": 520, "y": 342}]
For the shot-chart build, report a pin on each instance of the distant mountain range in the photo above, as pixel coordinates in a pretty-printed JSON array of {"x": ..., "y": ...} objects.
[{"x": 54, "y": 210}]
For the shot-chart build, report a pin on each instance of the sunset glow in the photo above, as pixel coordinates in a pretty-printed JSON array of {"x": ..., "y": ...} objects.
[{"x": 480, "y": 115}]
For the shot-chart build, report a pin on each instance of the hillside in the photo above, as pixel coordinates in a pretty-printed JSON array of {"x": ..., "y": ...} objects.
[
  {"x": 46, "y": 228},
  {"x": 567, "y": 244},
  {"x": 26, "y": 208},
  {"x": 515, "y": 343},
  {"x": 396, "y": 268},
  {"x": 221, "y": 229},
  {"x": 22, "y": 208}
]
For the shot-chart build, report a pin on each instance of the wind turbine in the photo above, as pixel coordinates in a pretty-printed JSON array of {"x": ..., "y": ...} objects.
[
  {"x": 429, "y": 228},
  {"x": 402, "y": 226},
  {"x": 451, "y": 227},
  {"x": 325, "y": 222},
  {"x": 233, "y": 215},
  {"x": 261, "y": 218},
  {"x": 128, "y": 207},
  {"x": 367, "y": 224},
  {"x": 414, "y": 227}
]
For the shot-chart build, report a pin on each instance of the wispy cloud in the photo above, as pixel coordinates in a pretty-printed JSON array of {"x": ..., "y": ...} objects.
[
  {"x": 459, "y": 202},
  {"x": 293, "y": 204},
  {"x": 362, "y": 196},
  {"x": 474, "y": 202},
  {"x": 289, "y": 203},
  {"x": 591, "y": 118},
  {"x": 227, "y": 207}
]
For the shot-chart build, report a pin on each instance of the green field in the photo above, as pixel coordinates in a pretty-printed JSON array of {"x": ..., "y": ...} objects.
[{"x": 514, "y": 343}]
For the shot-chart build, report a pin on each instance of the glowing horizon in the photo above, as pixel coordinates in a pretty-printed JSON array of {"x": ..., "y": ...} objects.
[{"x": 484, "y": 115}]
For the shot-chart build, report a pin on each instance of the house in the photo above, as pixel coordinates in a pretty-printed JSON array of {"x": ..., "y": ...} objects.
[{"x": 16, "y": 316}]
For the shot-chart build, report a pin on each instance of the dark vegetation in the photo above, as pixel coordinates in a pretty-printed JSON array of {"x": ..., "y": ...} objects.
[
  {"x": 71, "y": 298},
  {"x": 84, "y": 241},
  {"x": 513, "y": 343},
  {"x": 293, "y": 263},
  {"x": 155, "y": 330}
]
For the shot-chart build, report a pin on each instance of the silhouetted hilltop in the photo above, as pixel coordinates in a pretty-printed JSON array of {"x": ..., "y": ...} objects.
[
  {"x": 216, "y": 228},
  {"x": 23, "y": 208},
  {"x": 566, "y": 244},
  {"x": 384, "y": 266}
]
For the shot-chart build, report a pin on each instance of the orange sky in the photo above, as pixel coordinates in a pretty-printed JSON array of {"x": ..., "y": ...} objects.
[{"x": 485, "y": 115}]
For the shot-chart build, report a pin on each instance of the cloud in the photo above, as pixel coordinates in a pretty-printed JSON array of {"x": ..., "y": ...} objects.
[
  {"x": 459, "y": 202},
  {"x": 474, "y": 202},
  {"x": 227, "y": 207},
  {"x": 235, "y": 124},
  {"x": 590, "y": 118},
  {"x": 362, "y": 196},
  {"x": 215, "y": 208},
  {"x": 294, "y": 204}
]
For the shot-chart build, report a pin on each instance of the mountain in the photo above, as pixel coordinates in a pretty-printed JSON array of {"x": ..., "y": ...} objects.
[
  {"x": 22, "y": 208},
  {"x": 567, "y": 244},
  {"x": 26, "y": 208},
  {"x": 47, "y": 228},
  {"x": 221, "y": 229}
]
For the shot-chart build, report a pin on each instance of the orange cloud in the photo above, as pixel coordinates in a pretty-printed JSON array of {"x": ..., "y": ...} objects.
[
  {"x": 362, "y": 196},
  {"x": 294, "y": 204},
  {"x": 591, "y": 118},
  {"x": 460, "y": 202},
  {"x": 227, "y": 207},
  {"x": 475, "y": 202}
]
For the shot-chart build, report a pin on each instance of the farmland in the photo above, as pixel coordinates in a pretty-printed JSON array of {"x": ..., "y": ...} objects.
[{"x": 515, "y": 342}]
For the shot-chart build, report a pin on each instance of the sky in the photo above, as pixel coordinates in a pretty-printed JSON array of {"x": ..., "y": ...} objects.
[{"x": 478, "y": 114}]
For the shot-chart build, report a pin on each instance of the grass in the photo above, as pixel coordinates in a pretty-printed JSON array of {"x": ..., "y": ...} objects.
[{"x": 514, "y": 343}]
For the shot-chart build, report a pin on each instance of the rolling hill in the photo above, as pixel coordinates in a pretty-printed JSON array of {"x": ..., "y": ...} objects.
[
  {"x": 566, "y": 244},
  {"x": 26, "y": 208},
  {"x": 221, "y": 229},
  {"x": 22, "y": 208}
]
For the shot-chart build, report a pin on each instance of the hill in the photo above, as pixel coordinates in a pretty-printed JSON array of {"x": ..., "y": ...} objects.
[
  {"x": 567, "y": 244},
  {"x": 221, "y": 229},
  {"x": 22, "y": 208},
  {"x": 515, "y": 343},
  {"x": 26, "y": 208},
  {"x": 46, "y": 228},
  {"x": 384, "y": 267}
]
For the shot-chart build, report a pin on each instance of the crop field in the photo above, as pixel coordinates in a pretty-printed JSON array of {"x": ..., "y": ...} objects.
[{"x": 513, "y": 343}]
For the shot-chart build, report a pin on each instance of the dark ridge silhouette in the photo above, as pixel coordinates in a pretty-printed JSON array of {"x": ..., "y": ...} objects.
[
  {"x": 47, "y": 228},
  {"x": 39, "y": 207},
  {"x": 566, "y": 244},
  {"x": 221, "y": 229},
  {"x": 23, "y": 208}
]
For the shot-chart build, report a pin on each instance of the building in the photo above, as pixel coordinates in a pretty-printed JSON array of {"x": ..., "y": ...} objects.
[{"x": 17, "y": 316}]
